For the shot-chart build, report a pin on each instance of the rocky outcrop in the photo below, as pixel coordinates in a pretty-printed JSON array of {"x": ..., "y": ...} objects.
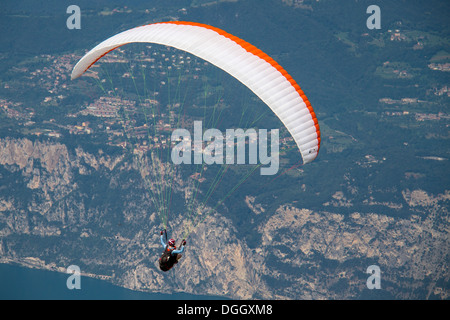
[
  {"x": 58, "y": 210},
  {"x": 60, "y": 207},
  {"x": 410, "y": 251}
]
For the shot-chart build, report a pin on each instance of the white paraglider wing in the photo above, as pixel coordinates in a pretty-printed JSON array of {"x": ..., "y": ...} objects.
[{"x": 255, "y": 69}]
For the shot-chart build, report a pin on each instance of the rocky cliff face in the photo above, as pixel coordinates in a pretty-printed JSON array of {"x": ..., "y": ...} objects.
[
  {"x": 410, "y": 252},
  {"x": 55, "y": 222},
  {"x": 60, "y": 207}
]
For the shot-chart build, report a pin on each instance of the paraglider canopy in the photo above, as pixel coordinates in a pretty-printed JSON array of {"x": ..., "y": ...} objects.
[{"x": 255, "y": 69}]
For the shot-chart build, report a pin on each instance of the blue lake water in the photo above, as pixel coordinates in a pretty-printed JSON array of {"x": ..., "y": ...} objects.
[{"x": 20, "y": 283}]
